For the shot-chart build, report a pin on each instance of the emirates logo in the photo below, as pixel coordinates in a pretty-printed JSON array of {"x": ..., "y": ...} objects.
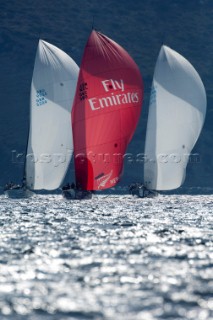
[{"x": 104, "y": 179}]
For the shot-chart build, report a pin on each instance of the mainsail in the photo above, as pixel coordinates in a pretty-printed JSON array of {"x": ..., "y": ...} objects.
[
  {"x": 50, "y": 144},
  {"x": 176, "y": 116},
  {"x": 105, "y": 113}
]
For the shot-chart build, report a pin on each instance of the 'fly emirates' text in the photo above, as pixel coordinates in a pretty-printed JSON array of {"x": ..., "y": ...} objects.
[{"x": 113, "y": 99}]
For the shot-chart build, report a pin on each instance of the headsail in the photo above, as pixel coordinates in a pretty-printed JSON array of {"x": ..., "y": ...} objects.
[
  {"x": 176, "y": 116},
  {"x": 106, "y": 111},
  {"x": 50, "y": 144}
]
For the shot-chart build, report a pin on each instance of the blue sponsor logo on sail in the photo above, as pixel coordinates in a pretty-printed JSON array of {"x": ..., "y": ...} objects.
[
  {"x": 40, "y": 97},
  {"x": 153, "y": 95}
]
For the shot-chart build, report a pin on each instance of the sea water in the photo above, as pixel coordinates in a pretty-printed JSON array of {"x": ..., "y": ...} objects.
[{"x": 112, "y": 257}]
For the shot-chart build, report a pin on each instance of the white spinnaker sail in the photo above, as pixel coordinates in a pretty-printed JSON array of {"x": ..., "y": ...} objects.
[
  {"x": 50, "y": 144},
  {"x": 176, "y": 115}
]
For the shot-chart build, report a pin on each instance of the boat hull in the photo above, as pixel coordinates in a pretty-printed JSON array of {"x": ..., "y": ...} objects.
[
  {"x": 71, "y": 194},
  {"x": 18, "y": 193},
  {"x": 142, "y": 192}
]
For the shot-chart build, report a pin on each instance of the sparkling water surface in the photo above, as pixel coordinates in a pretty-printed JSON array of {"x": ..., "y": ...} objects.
[{"x": 112, "y": 257}]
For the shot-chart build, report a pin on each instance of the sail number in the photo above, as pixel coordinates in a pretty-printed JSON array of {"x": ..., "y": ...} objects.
[{"x": 40, "y": 97}]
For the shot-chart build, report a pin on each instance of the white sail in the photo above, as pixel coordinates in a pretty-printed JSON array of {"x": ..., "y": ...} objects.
[
  {"x": 50, "y": 144},
  {"x": 176, "y": 116}
]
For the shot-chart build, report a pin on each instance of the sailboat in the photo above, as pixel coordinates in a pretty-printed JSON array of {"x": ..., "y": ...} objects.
[
  {"x": 50, "y": 143},
  {"x": 176, "y": 116},
  {"x": 105, "y": 113}
]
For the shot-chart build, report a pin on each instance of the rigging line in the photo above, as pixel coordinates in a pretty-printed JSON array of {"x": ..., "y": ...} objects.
[
  {"x": 93, "y": 22},
  {"x": 163, "y": 39}
]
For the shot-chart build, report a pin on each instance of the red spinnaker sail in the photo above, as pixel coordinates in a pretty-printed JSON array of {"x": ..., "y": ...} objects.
[{"x": 105, "y": 113}]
